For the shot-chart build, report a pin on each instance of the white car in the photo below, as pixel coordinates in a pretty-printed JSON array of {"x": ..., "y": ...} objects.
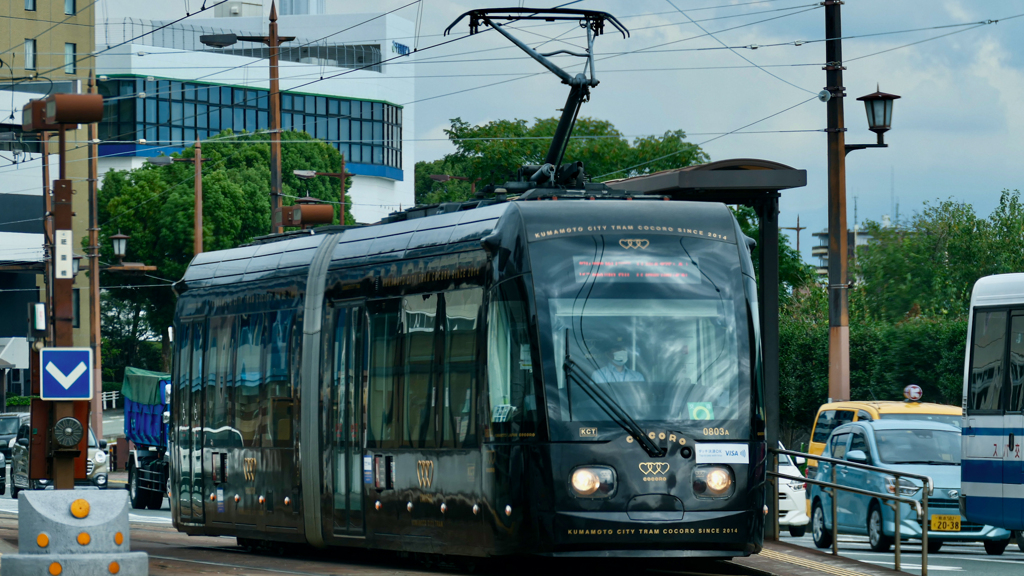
[{"x": 792, "y": 498}]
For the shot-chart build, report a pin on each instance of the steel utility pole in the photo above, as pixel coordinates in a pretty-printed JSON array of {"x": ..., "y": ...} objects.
[
  {"x": 95, "y": 338},
  {"x": 838, "y": 295}
]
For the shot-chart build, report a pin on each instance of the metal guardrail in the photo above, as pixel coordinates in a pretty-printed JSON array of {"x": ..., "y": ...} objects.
[
  {"x": 111, "y": 397},
  {"x": 921, "y": 507}
]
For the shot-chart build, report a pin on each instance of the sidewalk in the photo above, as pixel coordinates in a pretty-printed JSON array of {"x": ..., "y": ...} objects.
[{"x": 782, "y": 559}]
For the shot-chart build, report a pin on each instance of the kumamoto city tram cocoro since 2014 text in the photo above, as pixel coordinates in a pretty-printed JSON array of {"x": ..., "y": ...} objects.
[
  {"x": 461, "y": 384},
  {"x": 554, "y": 368}
]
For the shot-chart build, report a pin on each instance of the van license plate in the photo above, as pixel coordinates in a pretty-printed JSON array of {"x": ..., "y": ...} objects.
[{"x": 946, "y": 522}]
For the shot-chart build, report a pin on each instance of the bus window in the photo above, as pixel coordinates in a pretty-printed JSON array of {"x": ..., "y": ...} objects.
[
  {"x": 1016, "y": 364},
  {"x": 985, "y": 383},
  {"x": 510, "y": 368},
  {"x": 419, "y": 317},
  {"x": 461, "y": 365}
]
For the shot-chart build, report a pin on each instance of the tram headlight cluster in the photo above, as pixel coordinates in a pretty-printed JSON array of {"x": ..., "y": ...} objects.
[
  {"x": 713, "y": 482},
  {"x": 592, "y": 482}
]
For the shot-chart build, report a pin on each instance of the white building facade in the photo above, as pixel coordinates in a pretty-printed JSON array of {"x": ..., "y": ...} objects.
[{"x": 170, "y": 89}]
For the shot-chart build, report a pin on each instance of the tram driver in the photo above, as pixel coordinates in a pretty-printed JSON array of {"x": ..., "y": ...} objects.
[{"x": 616, "y": 369}]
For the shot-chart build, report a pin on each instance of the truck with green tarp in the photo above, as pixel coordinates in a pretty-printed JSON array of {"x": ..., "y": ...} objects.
[{"x": 146, "y": 400}]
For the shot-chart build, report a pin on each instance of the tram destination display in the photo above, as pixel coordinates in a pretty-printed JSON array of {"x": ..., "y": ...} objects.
[{"x": 622, "y": 268}]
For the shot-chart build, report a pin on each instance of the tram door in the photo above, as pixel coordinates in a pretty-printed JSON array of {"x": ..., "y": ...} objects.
[
  {"x": 182, "y": 484},
  {"x": 345, "y": 419},
  {"x": 195, "y": 419}
]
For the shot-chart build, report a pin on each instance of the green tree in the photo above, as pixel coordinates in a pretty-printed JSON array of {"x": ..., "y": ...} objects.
[
  {"x": 154, "y": 205},
  {"x": 929, "y": 266},
  {"x": 493, "y": 153},
  {"x": 794, "y": 273}
]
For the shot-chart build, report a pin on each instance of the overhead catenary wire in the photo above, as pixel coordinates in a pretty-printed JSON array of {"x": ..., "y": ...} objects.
[{"x": 747, "y": 60}]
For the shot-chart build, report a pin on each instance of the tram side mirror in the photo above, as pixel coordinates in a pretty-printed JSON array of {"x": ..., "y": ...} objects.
[
  {"x": 857, "y": 456},
  {"x": 751, "y": 243}
]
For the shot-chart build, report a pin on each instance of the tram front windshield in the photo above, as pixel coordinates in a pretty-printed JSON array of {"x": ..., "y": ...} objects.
[{"x": 657, "y": 324}]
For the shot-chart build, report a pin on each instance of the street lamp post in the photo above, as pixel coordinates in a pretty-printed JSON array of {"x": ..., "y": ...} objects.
[
  {"x": 879, "y": 110},
  {"x": 310, "y": 174},
  {"x": 447, "y": 177},
  {"x": 273, "y": 41},
  {"x": 197, "y": 242}
]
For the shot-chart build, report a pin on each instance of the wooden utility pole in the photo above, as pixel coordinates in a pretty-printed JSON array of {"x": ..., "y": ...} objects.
[
  {"x": 95, "y": 336},
  {"x": 797, "y": 228},
  {"x": 63, "y": 286},
  {"x": 838, "y": 294}
]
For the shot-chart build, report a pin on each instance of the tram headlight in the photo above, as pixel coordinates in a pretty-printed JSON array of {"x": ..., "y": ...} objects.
[
  {"x": 713, "y": 482},
  {"x": 592, "y": 482}
]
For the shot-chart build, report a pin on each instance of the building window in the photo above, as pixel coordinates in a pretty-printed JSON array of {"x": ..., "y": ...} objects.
[
  {"x": 30, "y": 54},
  {"x": 69, "y": 58},
  {"x": 69, "y": 6},
  {"x": 30, "y": 5}
]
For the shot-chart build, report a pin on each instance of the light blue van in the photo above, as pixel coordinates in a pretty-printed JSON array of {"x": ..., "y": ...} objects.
[{"x": 927, "y": 448}]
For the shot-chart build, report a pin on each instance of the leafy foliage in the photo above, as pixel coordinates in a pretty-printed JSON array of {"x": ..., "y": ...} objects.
[
  {"x": 493, "y": 153},
  {"x": 793, "y": 272},
  {"x": 930, "y": 266},
  {"x": 154, "y": 205}
]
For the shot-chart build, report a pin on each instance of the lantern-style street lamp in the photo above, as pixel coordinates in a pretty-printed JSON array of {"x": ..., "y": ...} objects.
[
  {"x": 879, "y": 109},
  {"x": 120, "y": 244}
]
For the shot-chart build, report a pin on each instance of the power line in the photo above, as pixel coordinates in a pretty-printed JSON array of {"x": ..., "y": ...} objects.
[
  {"x": 747, "y": 60},
  {"x": 635, "y": 166}
]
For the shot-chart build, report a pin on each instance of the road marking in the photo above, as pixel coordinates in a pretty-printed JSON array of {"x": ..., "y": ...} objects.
[
  {"x": 905, "y": 566},
  {"x": 819, "y": 566}
]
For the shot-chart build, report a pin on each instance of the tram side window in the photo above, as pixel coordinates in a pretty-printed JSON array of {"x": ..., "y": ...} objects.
[
  {"x": 278, "y": 387},
  {"x": 218, "y": 383},
  {"x": 511, "y": 382},
  {"x": 384, "y": 371},
  {"x": 419, "y": 320},
  {"x": 461, "y": 366},
  {"x": 985, "y": 382},
  {"x": 197, "y": 370},
  {"x": 248, "y": 377}
]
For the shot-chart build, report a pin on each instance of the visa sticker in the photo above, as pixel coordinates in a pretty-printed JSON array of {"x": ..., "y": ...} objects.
[{"x": 716, "y": 453}]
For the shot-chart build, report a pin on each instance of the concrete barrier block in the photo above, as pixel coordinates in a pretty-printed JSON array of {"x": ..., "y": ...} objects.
[{"x": 73, "y": 533}]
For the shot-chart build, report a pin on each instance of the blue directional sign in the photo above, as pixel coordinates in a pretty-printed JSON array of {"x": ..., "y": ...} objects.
[{"x": 66, "y": 373}]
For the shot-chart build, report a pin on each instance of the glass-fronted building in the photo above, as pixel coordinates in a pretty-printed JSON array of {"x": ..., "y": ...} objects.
[
  {"x": 174, "y": 113},
  {"x": 171, "y": 90}
]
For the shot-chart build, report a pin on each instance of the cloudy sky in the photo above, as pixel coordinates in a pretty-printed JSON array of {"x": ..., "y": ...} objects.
[{"x": 957, "y": 130}]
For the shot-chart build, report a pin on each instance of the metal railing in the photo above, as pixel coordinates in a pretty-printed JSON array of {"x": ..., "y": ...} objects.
[
  {"x": 109, "y": 397},
  {"x": 894, "y": 500}
]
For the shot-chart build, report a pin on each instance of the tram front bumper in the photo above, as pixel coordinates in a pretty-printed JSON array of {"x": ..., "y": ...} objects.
[{"x": 696, "y": 534}]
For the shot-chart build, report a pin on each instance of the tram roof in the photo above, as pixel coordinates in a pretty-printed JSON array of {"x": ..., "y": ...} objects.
[{"x": 443, "y": 233}]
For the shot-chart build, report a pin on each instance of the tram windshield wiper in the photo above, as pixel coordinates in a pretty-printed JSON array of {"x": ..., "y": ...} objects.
[{"x": 618, "y": 415}]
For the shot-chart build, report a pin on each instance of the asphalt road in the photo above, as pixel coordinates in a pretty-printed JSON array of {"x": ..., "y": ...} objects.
[{"x": 965, "y": 558}]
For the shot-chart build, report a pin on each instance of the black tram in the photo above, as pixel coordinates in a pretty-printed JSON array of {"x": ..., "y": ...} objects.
[
  {"x": 571, "y": 377},
  {"x": 558, "y": 368}
]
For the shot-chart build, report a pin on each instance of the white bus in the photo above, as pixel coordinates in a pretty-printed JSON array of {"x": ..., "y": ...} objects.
[{"x": 992, "y": 472}]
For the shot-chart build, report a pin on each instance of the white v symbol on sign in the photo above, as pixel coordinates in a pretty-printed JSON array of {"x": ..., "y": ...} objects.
[{"x": 65, "y": 381}]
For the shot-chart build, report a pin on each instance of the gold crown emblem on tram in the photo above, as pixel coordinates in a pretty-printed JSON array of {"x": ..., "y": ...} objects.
[
  {"x": 649, "y": 468},
  {"x": 249, "y": 469},
  {"x": 640, "y": 243},
  {"x": 425, "y": 472}
]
